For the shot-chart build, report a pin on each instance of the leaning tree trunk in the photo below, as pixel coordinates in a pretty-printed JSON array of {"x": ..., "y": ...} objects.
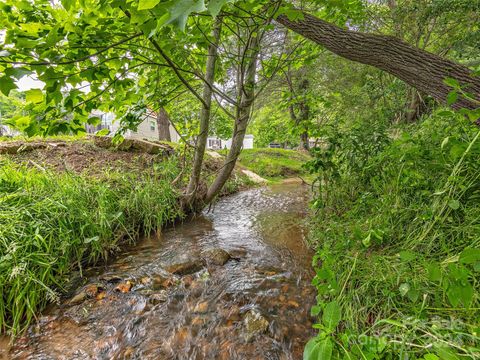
[
  {"x": 423, "y": 70},
  {"x": 163, "y": 124},
  {"x": 201, "y": 142},
  {"x": 244, "y": 108}
]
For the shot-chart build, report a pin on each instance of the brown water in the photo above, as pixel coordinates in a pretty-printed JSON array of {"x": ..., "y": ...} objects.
[{"x": 255, "y": 306}]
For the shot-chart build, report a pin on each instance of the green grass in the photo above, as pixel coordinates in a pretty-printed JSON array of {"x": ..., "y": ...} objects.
[
  {"x": 52, "y": 224},
  {"x": 398, "y": 246},
  {"x": 274, "y": 164}
]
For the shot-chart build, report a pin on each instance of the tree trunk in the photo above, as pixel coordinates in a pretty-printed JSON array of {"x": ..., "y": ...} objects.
[
  {"x": 244, "y": 108},
  {"x": 304, "y": 114},
  {"x": 163, "y": 124},
  {"x": 416, "y": 106},
  {"x": 201, "y": 142},
  {"x": 304, "y": 141},
  {"x": 420, "y": 69}
]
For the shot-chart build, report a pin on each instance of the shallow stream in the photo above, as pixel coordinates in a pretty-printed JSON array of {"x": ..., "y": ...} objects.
[{"x": 252, "y": 303}]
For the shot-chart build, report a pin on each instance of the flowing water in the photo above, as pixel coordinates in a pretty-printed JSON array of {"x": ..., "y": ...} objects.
[{"x": 255, "y": 306}]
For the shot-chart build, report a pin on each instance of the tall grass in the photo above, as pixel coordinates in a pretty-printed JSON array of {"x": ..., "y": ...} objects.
[
  {"x": 51, "y": 224},
  {"x": 398, "y": 244}
]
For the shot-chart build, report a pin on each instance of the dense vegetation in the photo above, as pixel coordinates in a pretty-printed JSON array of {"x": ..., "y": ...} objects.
[
  {"x": 398, "y": 236},
  {"x": 394, "y": 148}
]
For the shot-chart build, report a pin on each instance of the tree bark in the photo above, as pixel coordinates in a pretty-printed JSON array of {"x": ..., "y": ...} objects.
[
  {"x": 201, "y": 142},
  {"x": 163, "y": 125},
  {"x": 244, "y": 108},
  {"x": 416, "y": 107},
  {"x": 422, "y": 70}
]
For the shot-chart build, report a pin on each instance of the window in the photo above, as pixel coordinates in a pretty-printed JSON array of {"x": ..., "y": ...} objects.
[
  {"x": 152, "y": 125},
  {"x": 214, "y": 144}
]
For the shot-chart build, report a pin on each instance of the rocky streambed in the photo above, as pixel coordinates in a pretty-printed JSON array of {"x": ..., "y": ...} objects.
[{"x": 233, "y": 283}]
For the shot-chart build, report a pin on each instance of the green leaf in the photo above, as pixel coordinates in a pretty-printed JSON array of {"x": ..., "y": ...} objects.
[
  {"x": 454, "y": 204},
  {"x": 367, "y": 241},
  {"x": 309, "y": 348},
  {"x": 445, "y": 113},
  {"x": 67, "y": 4},
  {"x": 6, "y": 84},
  {"x": 324, "y": 349},
  {"x": 451, "y": 82},
  {"x": 315, "y": 310},
  {"x": 34, "y": 96},
  {"x": 182, "y": 9},
  {"x": 434, "y": 272},
  {"x": 318, "y": 350},
  {"x": 147, "y": 4},
  {"x": 452, "y": 98},
  {"x": 444, "y": 352},
  {"x": 214, "y": 6},
  {"x": 332, "y": 315},
  {"x": 404, "y": 289},
  {"x": 431, "y": 357},
  {"x": 470, "y": 256},
  {"x": 102, "y": 132},
  {"x": 407, "y": 255},
  {"x": 457, "y": 293}
]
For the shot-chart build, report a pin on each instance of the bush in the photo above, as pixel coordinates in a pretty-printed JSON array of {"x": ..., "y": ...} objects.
[{"x": 398, "y": 243}]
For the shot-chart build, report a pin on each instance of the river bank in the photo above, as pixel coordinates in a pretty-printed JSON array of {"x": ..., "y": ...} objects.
[{"x": 69, "y": 204}]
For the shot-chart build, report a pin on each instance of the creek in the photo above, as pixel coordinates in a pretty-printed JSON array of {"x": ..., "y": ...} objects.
[{"x": 233, "y": 283}]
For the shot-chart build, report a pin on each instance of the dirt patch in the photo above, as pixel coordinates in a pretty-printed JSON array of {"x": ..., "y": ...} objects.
[{"x": 83, "y": 157}]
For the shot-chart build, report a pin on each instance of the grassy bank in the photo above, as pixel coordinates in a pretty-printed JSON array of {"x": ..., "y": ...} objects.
[
  {"x": 54, "y": 223},
  {"x": 65, "y": 207},
  {"x": 274, "y": 164},
  {"x": 397, "y": 233}
]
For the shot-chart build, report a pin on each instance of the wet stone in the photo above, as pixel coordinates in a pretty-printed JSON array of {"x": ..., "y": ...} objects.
[
  {"x": 216, "y": 256},
  {"x": 255, "y": 324},
  {"x": 162, "y": 281},
  {"x": 186, "y": 267},
  {"x": 87, "y": 292},
  {"x": 111, "y": 279},
  {"x": 158, "y": 297}
]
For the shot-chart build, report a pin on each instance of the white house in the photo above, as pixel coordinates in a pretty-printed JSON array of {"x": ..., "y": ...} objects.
[
  {"x": 147, "y": 129},
  {"x": 215, "y": 143}
]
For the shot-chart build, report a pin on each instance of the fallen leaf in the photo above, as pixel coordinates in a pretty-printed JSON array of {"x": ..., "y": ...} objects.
[{"x": 124, "y": 287}]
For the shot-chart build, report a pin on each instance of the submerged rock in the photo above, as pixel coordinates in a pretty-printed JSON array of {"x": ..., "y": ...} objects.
[
  {"x": 201, "y": 307},
  {"x": 158, "y": 297},
  {"x": 255, "y": 324},
  {"x": 216, "y": 256},
  {"x": 87, "y": 292},
  {"x": 186, "y": 267},
  {"x": 160, "y": 281}
]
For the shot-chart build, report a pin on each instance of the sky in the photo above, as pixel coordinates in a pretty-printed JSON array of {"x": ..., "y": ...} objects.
[{"x": 29, "y": 82}]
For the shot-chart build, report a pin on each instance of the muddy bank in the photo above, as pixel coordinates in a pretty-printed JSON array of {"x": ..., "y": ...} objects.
[{"x": 232, "y": 284}]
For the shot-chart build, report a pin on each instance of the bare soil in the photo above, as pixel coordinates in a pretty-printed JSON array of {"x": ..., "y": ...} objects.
[{"x": 82, "y": 157}]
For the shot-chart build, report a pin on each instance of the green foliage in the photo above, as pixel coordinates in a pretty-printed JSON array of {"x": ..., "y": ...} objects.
[
  {"x": 53, "y": 224},
  {"x": 272, "y": 125},
  {"x": 397, "y": 237}
]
